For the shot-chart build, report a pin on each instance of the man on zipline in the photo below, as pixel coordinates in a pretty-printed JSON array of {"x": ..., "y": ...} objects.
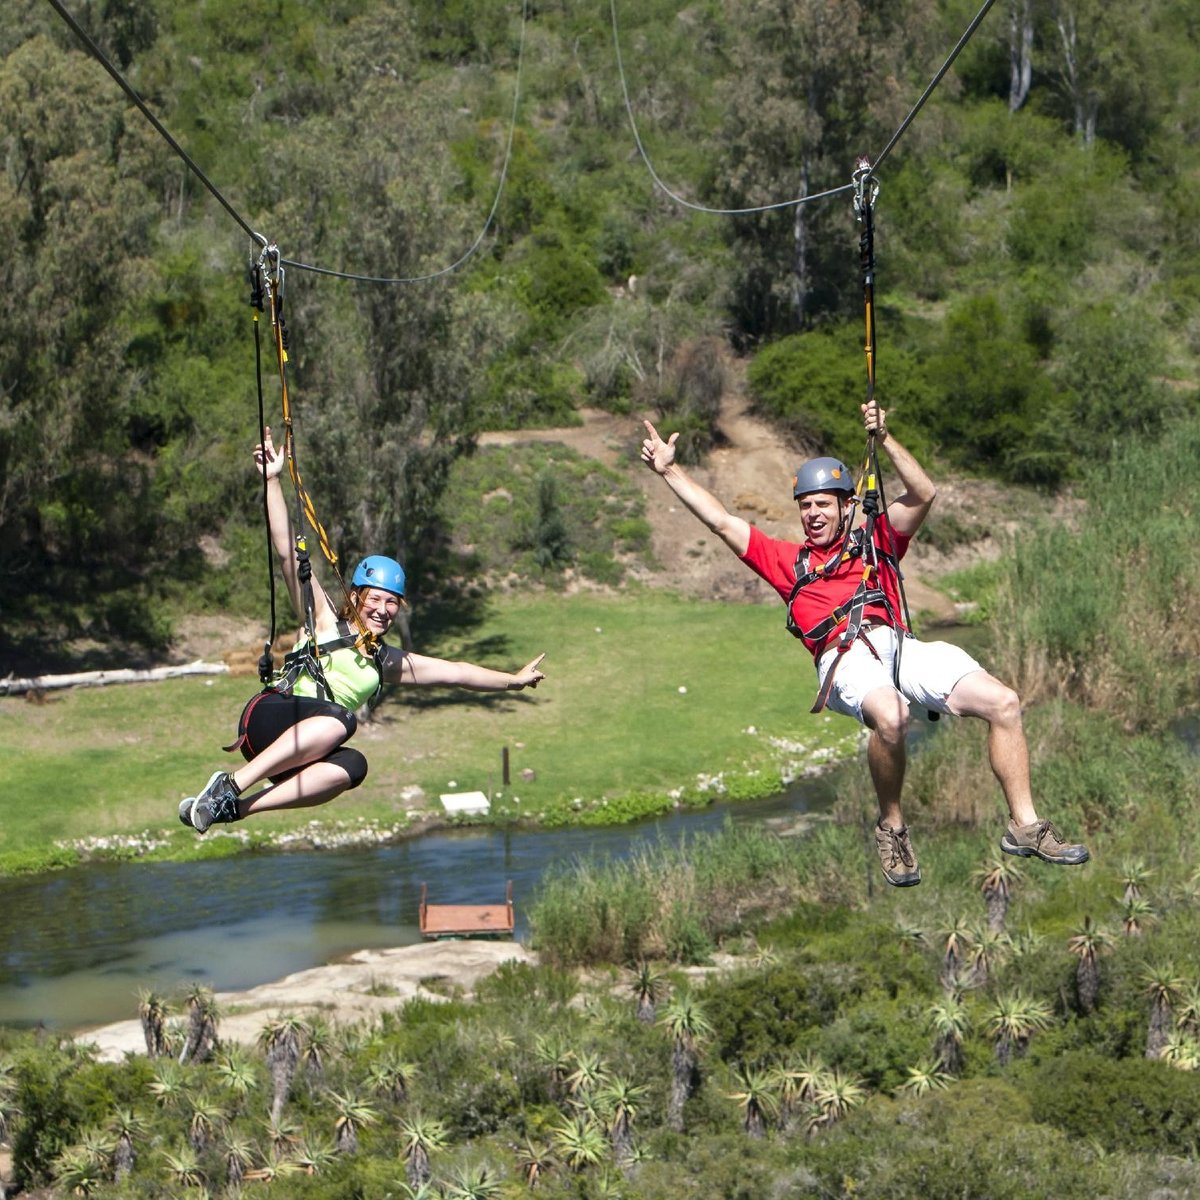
[
  {"x": 938, "y": 675},
  {"x": 294, "y": 732}
]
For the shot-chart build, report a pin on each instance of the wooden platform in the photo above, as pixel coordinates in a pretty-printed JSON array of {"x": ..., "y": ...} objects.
[{"x": 466, "y": 920}]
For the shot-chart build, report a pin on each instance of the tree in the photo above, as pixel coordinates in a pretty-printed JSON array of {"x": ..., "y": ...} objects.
[
  {"x": 207, "y": 1118},
  {"x": 391, "y": 1076},
  {"x": 353, "y": 1113},
  {"x": 1134, "y": 876},
  {"x": 237, "y": 1074},
  {"x": 578, "y": 1143},
  {"x": 987, "y": 949},
  {"x": 796, "y": 1085},
  {"x": 183, "y": 1166},
  {"x": 1138, "y": 913},
  {"x": 152, "y": 1012},
  {"x": 836, "y": 1094},
  {"x": 925, "y": 1077},
  {"x": 281, "y": 1038},
  {"x": 1164, "y": 987},
  {"x": 996, "y": 878},
  {"x": 419, "y": 1138},
  {"x": 474, "y": 1183},
  {"x": 757, "y": 1098},
  {"x": 1020, "y": 51},
  {"x": 648, "y": 986},
  {"x": 534, "y": 1162},
  {"x": 950, "y": 1023},
  {"x": 620, "y": 1100},
  {"x": 203, "y": 1014},
  {"x": 237, "y": 1153},
  {"x": 1088, "y": 943},
  {"x": 956, "y": 938},
  {"x": 688, "y": 1027},
  {"x": 318, "y": 1044},
  {"x": 1013, "y": 1019}
]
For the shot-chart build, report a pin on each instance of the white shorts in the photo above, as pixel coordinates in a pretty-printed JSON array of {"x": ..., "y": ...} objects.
[{"x": 928, "y": 671}]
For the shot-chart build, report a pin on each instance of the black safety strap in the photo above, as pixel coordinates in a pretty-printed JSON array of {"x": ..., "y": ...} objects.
[{"x": 306, "y": 660}]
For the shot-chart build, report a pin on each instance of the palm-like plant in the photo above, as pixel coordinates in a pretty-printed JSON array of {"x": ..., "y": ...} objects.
[
  {"x": 318, "y": 1048},
  {"x": 1188, "y": 1012},
  {"x": 956, "y": 938},
  {"x": 1088, "y": 943},
  {"x": 534, "y": 1162},
  {"x": 996, "y": 879},
  {"x": 8, "y": 1091},
  {"x": 277, "y": 1166},
  {"x": 125, "y": 1127},
  {"x": 988, "y": 948},
  {"x": 79, "y": 1172},
  {"x": 207, "y": 1117},
  {"x": 391, "y": 1076},
  {"x": 1164, "y": 987},
  {"x": 910, "y": 935},
  {"x": 152, "y": 1012},
  {"x": 795, "y": 1084},
  {"x": 237, "y": 1074},
  {"x": 169, "y": 1087},
  {"x": 579, "y": 1143},
  {"x": 756, "y": 1096},
  {"x": 419, "y": 1138},
  {"x": 473, "y": 1183},
  {"x": 1134, "y": 877},
  {"x": 201, "y": 1041},
  {"x": 184, "y": 1167},
  {"x": 353, "y": 1114},
  {"x": 927, "y": 1076},
  {"x": 281, "y": 1038},
  {"x": 237, "y": 1153},
  {"x": 1182, "y": 1050},
  {"x": 283, "y": 1134},
  {"x": 950, "y": 1023},
  {"x": 1013, "y": 1019},
  {"x": 588, "y": 1075},
  {"x": 312, "y": 1157},
  {"x": 556, "y": 1056},
  {"x": 648, "y": 987},
  {"x": 1136, "y": 914},
  {"x": 688, "y": 1027},
  {"x": 836, "y": 1094},
  {"x": 620, "y": 1100}
]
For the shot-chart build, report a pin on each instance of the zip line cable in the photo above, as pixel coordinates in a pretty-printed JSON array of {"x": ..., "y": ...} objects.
[
  {"x": 916, "y": 108},
  {"x": 264, "y": 242},
  {"x": 759, "y": 208}
]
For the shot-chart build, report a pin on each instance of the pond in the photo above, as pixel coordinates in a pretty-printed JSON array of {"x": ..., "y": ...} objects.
[{"x": 78, "y": 944}]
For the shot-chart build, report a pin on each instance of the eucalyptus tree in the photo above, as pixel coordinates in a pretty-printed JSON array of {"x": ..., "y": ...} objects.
[
  {"x": 420, "y": 1137},
  {"x": 353, "y": 1113},
  {"x": 996, "y": 878},
  {"x": 757, "y": 1097},
  {"x": 1088, "y": 943},
  {"x": 1164, "y": 988},
  {"x": 1013, "y": 1019}
]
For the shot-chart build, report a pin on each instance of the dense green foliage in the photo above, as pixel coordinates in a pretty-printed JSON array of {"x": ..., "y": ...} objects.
[{"x": 1037, "y": 281}]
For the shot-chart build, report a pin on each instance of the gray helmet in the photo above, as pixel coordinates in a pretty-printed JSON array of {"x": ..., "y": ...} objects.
[{"x": 822, "y": 475}]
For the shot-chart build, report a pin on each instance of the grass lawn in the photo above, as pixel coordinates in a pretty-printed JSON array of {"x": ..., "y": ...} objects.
[{"x": 609, "y": 734}]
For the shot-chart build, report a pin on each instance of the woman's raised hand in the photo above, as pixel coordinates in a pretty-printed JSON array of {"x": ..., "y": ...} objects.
[
  {"x": 268, "y": 460},
  {"x": 529, "y": 675}
]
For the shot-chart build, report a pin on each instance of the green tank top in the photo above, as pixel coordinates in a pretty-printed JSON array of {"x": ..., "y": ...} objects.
[{"x": 352, "y": 678}]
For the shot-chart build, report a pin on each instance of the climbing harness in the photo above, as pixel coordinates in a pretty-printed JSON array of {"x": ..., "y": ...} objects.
[
  {"x": 306, "y": 660},
  {"x": 267, "y": 294},
  {"x": 874, "y": 541}
]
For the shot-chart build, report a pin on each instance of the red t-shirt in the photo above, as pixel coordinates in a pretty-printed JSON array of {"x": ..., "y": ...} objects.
[{"x": 775, "y": 561}]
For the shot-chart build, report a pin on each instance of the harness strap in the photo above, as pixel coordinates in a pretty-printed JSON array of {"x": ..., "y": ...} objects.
[{"x": 306, "y": 660}]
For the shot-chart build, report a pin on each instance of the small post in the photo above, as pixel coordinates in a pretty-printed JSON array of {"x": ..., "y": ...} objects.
[{"x": 504, "y": 765}]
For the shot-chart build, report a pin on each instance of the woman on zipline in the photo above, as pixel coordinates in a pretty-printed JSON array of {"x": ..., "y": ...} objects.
[{"x": 294, "y": 732}]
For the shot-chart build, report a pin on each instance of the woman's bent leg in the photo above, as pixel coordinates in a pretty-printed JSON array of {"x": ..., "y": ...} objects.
[{"x": 306, "y": 742}]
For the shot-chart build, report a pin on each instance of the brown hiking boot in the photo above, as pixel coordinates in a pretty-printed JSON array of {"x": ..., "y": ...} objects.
[
  {"x": 1041, "y": 840},
  {"x": 896, "y": 855}
]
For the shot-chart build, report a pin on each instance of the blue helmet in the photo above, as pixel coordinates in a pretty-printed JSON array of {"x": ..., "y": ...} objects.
[
  {"x": 822, "y": 475},
  {"x": 377, "y": 571}
]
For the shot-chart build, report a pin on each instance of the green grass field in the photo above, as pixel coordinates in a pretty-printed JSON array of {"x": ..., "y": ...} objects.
[{"x": 609, "y": 733}]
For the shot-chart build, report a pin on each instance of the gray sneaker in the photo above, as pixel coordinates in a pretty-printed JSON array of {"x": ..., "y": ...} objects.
[
  {"x": 1041, "y": 840},
  {"x": 896, "y": 855},
  {"x": 216, "y": 805}
]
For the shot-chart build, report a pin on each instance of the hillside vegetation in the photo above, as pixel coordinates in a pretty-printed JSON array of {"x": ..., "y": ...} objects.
[{"x": 1038, "y": 281}]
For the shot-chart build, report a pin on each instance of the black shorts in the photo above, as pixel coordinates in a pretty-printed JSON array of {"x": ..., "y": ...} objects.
[{"x": 270, "y": 714}]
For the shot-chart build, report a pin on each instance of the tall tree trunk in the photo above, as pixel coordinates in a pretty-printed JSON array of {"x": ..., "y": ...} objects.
[
  {"x": 1020, "y": 51},
  {"x": 800, "y": 284}
]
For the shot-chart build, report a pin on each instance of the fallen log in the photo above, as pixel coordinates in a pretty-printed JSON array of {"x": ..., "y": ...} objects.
[{"x": 45, "y": 683}]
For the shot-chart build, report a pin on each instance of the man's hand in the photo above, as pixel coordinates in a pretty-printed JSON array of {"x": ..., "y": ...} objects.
[
  {"x": 874, "y": 419},
  {"x": 657, "y": 454},
  {"x": 268, "y": 460}
]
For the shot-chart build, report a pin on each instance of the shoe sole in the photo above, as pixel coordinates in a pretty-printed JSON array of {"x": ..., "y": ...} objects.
[
  {"x": 202, "y": 828},
  {"x": 1029, "y": 852},
  {"x": 903, "y": 880},
  {"x": 185, "y": 812}
]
